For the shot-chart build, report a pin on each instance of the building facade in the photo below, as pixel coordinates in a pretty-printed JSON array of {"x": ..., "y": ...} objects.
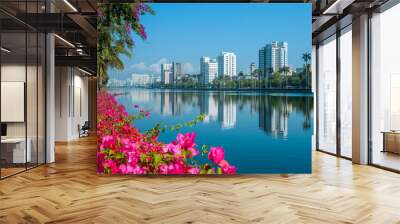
[
  {"x": 176, "y": 70},
  {"x": 210, "y": 71},
  {"x": 253, "y": 68},
  {"x": 167, "y": 74},
  {"x": 227, "y": 64},
  {"x": 273, "y": 57}
]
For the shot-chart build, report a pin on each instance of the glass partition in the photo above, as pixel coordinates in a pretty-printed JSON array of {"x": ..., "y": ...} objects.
[
  {"x": 22, "y": 77},
  {"x": 14, "y": 153},
  {"x": 327, "y": 95}
]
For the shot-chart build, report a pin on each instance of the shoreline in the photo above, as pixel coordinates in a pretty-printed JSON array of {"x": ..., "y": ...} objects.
[{"x": 271, "y": 90}]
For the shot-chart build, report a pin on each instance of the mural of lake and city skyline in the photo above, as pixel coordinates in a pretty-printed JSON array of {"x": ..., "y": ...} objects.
[
  {"x": 214, "y": 89},
  {"x": 261, "y": 132}
]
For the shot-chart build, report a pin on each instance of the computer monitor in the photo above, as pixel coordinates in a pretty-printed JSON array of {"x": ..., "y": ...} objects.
[{"x": 3, "y": 129}]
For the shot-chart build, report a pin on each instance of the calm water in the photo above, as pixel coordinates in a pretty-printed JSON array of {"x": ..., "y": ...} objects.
[{"x": 260, "y": 132}]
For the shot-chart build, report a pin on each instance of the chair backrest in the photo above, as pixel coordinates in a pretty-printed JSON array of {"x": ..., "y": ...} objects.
[{"x": 86, "y": 125}]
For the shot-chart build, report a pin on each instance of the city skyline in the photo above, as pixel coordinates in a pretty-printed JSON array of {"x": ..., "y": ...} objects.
[{"x": 180, "y": 32}]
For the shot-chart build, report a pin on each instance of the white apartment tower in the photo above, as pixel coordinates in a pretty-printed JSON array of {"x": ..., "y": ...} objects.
[
  {"x": 227, "y": 64},
  {"x": 273, "y": 57},
  {"x": 211, "y": 71}
]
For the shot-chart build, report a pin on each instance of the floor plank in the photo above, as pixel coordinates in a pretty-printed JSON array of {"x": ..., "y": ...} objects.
[{"x": 70, "y": 191}]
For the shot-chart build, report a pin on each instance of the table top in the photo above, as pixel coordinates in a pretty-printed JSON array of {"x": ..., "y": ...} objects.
[
  {"x": 391, "y": 132},
  {"x": 13, "y": 140}
]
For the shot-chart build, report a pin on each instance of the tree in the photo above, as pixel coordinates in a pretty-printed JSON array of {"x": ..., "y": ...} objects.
[
  {"x": 115, "y": 23},
  {"x": 306, "y": 58},
  {"x": 285, "y": 70},
  {"x": 276, "y": 79}
]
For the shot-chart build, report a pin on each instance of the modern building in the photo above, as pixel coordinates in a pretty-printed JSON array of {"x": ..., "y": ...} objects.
[
  {"x": 142, "y": 80},
  {"x": 210, "y": 71},
  {"x": 227, "y": 64},
  {"x": 177, "y": 71},
  {"x": 253, "y": 68},
  {"x": 115, "y": 83},
  {"x": 273, "y": 57},
  {"x": 167, "y": 74}
]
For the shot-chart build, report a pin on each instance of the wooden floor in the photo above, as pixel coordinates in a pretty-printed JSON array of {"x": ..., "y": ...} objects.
[{"x": 70, "y": 191}]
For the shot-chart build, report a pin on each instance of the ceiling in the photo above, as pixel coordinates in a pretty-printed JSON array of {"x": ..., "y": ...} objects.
[{"x": 73, "y": 22}]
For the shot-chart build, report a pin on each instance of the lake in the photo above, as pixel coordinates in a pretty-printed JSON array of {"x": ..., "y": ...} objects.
[{"x": 261, "y": 132}]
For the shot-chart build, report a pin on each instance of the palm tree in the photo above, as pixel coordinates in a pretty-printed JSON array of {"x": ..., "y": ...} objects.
[
  {"x": 115, "y": 23},
  {"x": 306, "y": 57}
]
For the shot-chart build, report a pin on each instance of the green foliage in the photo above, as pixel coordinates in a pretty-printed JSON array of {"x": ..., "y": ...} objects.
[
  {"x": 115, "y": 23},
  {"x": 162, "y": 128}
]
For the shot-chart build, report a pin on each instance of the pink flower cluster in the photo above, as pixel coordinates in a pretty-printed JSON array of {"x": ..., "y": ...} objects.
[{"x": 123, "y": 149}]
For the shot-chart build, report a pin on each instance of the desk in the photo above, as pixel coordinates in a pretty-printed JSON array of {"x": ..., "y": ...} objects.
[
  {"x": 391, "y": 141},
  {"x": 13, "y": 150}
]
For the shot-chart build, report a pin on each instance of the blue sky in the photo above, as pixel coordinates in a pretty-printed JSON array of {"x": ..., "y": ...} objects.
[{"x": 185, "y": 32}]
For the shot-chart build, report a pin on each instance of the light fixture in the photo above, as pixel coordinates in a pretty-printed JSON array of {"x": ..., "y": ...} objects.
[
  {"x": 70, "y": 5},
  {"x": 64, "y": 40},
  {"x": 5, "y": 50},
  {"x": 337, "y": 7},
  {"x": 84, "y": 71}
]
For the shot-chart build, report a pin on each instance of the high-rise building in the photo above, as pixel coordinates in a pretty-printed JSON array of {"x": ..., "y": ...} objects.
[
  {"x": 176, "y": 70},
  {"x": 273, "y": 57},
  {"x": 227, "y": 64},
  {"x": 208, "y": 69},
  {"x": 203, "y": 61},
  {"x": 252, "y": 68},
  {"x": 167, "y": 75},
  {"x": 211, "y": 71}
]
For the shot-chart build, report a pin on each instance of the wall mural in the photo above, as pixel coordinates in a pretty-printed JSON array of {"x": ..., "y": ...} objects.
[{"x": 204, "y": 88}]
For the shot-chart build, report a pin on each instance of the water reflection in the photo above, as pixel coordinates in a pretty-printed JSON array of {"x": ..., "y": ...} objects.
[{"x": 273, "y": 110}]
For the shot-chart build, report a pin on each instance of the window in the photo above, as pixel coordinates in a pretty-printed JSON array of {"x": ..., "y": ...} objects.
[
  {"x": 346, "y": 92},
  {"x": 385, "y": 89},
  {"x": 327, "y": 95}
]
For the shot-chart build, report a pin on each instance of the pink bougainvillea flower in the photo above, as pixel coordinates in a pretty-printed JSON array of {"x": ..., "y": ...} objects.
[
  {"x": 194, "y": 170},
  {"x": 226, "y": 168},
  {"x": 172, "y": 148},
  {"x": 186, "y": 140},
  {"x": 123, "y": 149},
  {"x": 147, "y": 114},
  {"x": 216, "y": 154}
]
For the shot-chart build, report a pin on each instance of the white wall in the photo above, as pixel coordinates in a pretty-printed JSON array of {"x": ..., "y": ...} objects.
[{"x": 71, "y": 94}]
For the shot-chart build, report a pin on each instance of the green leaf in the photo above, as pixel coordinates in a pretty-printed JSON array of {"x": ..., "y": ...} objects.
[
  {"x": 157, "y": 159},
  {"x": 119, "y": 155}
]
